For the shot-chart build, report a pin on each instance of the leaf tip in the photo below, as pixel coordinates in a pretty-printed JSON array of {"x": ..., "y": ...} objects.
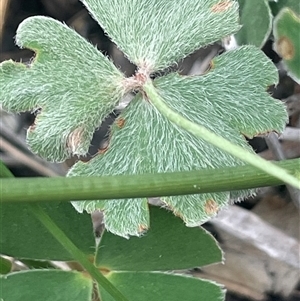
[{"x": 142, "y": 228}]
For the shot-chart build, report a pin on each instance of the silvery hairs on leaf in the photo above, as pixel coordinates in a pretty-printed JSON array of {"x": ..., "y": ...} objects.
[
  {"x": 144, "y": 141},
  {"x": 158, "y": 33},
  {"x": 75, "y": 86}
]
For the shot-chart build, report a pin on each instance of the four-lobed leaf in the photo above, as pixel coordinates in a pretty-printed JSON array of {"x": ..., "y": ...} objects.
[
  {"x": 76, "y": 86},
  {"x": 144, "y": 141},
  {"x": 69, "y": 80}
]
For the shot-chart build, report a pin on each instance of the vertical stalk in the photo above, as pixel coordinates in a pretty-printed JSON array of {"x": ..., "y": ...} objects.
[{"x": 64, "y": 240}]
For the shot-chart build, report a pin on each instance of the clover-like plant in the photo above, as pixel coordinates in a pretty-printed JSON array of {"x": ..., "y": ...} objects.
[{"x": 174, "y": 123}]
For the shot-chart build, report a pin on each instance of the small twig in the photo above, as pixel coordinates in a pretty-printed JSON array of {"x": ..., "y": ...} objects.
[
  {"x": 17, "y": 141},
  {"x": 3, "y": 9},
  {"x": 290, "y": 134},
  {"x": 248, "y": 227},
  {"x": 25, "y": 159}
]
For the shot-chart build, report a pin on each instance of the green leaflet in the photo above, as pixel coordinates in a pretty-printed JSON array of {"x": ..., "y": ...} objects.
[
  {"x": 21, "y": 242},
  {"x": 256, "y": 18},
  {"x": 189, "y": 247},
  {"x": 132, "y": 265},
  {"x": 156, "y": 34},
  {"x": 34, "y": 241},
  {"x": 47, "y": 285},
  {"x": 287, "y": 40},
  {"x": 74, "y": 84},
  {"x": 157, "y": 286},
  {"x": 144, "y": 141}
]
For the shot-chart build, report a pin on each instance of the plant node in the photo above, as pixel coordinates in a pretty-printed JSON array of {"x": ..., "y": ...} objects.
[{"x": 136, "y": 81}]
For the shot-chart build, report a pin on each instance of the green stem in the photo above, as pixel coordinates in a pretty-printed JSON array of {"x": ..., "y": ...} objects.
[
  {"x": 63, "y": 239},
  {"x": 218, "y": 141},
  {"x": 146, "y": 185}
]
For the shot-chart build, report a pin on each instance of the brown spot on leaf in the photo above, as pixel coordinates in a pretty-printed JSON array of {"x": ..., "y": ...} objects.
[
  {"x": 177, "y": 213},
  {"x": 104, "y": 270},
  {"x": 221, "y": 6},
  {"x": 142, "y": 228},
  {"x": 120, "y": 122},
  {"x": 86, "y": 275},
  {"x": 211, "y": 207},
  {"x": 171, "y": 208},
  {"x": 285, "y": 48}
]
